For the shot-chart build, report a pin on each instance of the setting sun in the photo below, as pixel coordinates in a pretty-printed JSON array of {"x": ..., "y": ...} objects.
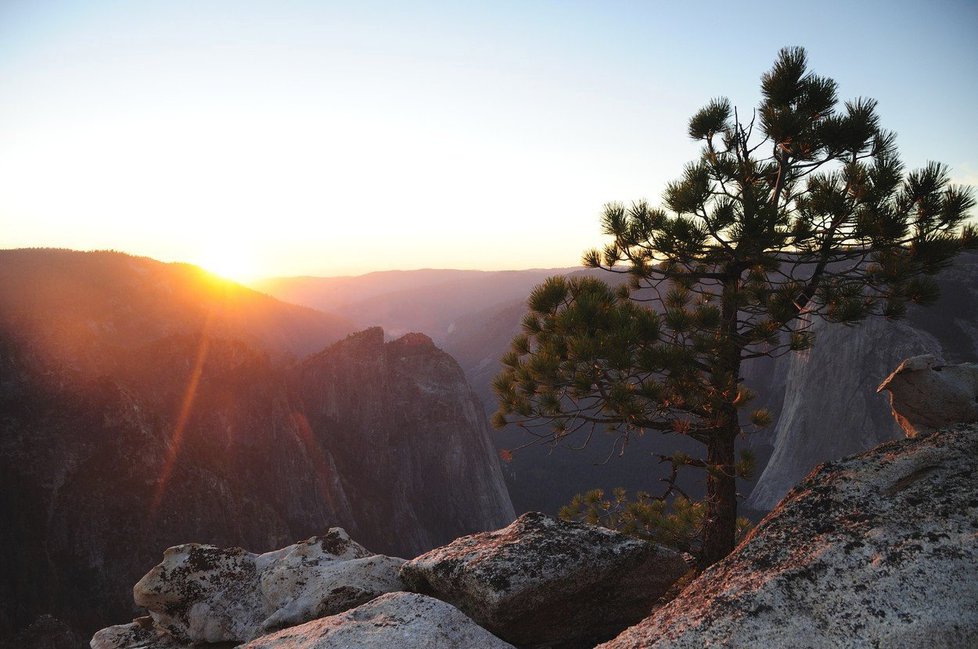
[{"x": 230, "y": 262}]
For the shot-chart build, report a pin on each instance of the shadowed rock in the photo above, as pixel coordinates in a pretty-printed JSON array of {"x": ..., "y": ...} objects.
[
  {"x": 401, "y": 620},
  {"x": 141, "y": 633},
  {"x": 545, "y": 582},
  {"x": 46, "y": 632},
  {"x": 876, "y": 550},
  {"x": 926, "y": 394}
]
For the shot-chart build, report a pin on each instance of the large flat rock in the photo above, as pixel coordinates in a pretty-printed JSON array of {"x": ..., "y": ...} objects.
[
  {"x": 546, "y": 582},
  {"x": 876, "y": 550}
]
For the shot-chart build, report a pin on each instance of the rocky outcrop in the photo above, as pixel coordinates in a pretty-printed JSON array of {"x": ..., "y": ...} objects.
[
  {"x": 402, "y": 620},
  {"x": 926, "y": 394},
  {"x": 200, "y": 593},
  {"x": 545, "y": 582},
  {"x": 539, "y": 582},
  {"x": 876, "y": 550}
]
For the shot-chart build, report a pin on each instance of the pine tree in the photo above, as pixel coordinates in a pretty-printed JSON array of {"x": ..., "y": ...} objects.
[{"x": 803, "y": 211}]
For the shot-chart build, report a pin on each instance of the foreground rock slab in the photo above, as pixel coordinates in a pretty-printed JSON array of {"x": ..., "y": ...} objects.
[
  {"x": 876, "y": 550},
  {"x": 200, "y": 593},
  {"x": 401, "y": 620},
  {"x": 545, "y": 582},
  {"x": 926, "y": 394}
]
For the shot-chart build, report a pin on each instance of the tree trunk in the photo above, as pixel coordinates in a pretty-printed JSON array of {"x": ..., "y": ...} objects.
[{"x": 720, "y": 526}]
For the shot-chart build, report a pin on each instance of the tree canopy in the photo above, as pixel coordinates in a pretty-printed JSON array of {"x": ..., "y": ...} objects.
[{"x": 800, "y": 210}]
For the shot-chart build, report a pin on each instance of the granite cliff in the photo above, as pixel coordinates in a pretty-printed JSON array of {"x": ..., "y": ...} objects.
[
  {"x": 408, "y": 439},
  {"x": 827, "y": 402}
]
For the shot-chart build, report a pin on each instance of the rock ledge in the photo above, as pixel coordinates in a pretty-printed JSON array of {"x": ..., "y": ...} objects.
[{"x": 876, "y": 550}]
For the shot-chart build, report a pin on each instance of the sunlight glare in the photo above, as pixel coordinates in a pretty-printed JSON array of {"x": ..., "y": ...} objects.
[{"x": 229, "y": 262}]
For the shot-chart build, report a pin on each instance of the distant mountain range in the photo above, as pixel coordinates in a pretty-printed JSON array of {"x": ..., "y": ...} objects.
[
  {"x": 144, "y": 405},
  {"x": 83, "y": 301},
  {"x": 425, "y": 300}
]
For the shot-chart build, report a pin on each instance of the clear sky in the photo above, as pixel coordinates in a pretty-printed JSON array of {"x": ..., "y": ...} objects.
[{"x": 290, "y": 137}]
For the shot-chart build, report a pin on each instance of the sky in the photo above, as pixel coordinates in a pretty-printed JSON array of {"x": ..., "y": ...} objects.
[{"x": 324, "y": 138}]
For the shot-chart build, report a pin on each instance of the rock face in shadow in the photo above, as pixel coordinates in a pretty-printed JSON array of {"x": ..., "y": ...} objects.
[
  {"x": 828, "y": 388},
  {"x": 151, "y": 423},
  {"x": 408, "y": 439},
  {"x": 926, "y": 394},
  {"x": 402, "y": 620},
  {"x": 876, "y": 550},
  {"x": 543, "y": 582}
]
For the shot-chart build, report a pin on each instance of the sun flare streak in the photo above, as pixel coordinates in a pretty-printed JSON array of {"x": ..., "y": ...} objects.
[
  {"x": 186, "y": 407},
  {"x": 321, "y": 461}
]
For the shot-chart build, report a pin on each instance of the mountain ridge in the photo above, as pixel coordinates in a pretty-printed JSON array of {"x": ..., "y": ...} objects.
[{"x": 107, "y": 294}]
